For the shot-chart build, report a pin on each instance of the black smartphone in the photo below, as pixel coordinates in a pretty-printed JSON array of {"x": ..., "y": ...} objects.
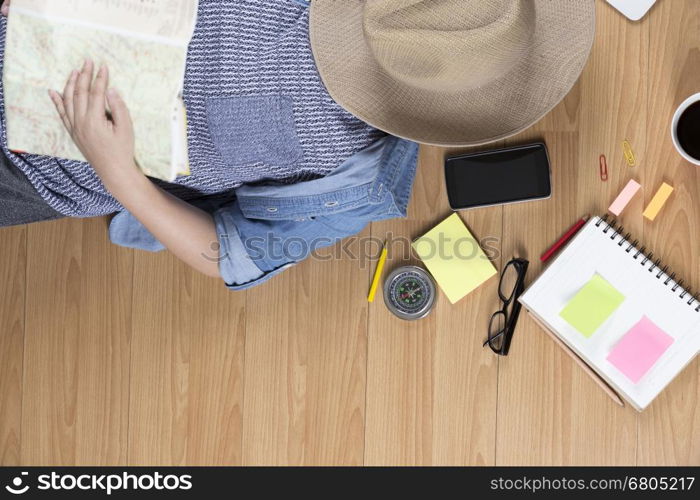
[{"x": 508, "y": 175}]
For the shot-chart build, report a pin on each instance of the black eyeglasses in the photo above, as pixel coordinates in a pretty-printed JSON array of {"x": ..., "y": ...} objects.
[{"x": 502, "y": 324}]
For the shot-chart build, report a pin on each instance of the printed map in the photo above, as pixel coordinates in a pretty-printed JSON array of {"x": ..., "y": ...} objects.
[{"x": 42, "y": 48}]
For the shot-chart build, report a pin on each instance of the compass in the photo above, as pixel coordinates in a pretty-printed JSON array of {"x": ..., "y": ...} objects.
[{"x": 409, "y": 292}]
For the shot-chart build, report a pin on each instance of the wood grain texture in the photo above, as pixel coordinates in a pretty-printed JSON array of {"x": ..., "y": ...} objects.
[
  {"x": 608, "y": 105},
  {"x": 13, "y": 249},
  {"x": 186, "y": 384},
  {"x": 669, "y": 430},
  {"x": 109, "y": 356},
  {"x": 431, "y": 387},
  {"x": 76, "y": 370},
  {"x": 549, "y": 410},
  {"x": 305, "y": 369}
]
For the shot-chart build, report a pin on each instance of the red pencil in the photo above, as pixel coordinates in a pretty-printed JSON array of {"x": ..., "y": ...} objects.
[{"x": 562, "y": 241}]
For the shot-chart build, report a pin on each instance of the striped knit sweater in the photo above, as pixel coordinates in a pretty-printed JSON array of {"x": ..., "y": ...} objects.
[{"x": 247, "y": 57}]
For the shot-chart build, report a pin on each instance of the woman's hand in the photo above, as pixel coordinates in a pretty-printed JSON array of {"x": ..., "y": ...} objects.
[
  {"x": 5, "y": 9},
  {"x": 107, "y": 143}
]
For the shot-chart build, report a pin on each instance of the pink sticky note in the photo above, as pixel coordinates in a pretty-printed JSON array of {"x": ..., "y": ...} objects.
[
  {"x": 624, "y": 197},
  {"x": 639, "y": 349}
]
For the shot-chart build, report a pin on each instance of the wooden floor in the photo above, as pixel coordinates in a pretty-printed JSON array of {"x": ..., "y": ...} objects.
[{"x": 109, "y": 356}]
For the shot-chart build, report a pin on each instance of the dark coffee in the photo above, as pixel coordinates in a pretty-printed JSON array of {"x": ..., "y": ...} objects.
[{"x": 688, "y": 130}]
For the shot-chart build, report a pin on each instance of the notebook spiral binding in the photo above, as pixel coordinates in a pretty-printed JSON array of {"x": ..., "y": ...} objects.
[{"x": 644, "y": 258}]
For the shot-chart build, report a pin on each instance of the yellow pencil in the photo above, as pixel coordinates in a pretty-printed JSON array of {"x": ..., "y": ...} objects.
[{"x": 377, "y": 274}]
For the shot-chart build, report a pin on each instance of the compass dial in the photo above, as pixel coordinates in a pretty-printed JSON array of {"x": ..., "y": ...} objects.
[{"x": 409, "y": 292}]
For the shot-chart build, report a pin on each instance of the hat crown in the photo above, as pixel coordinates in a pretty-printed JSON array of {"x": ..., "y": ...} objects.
[{"x": 448, "y": 45}]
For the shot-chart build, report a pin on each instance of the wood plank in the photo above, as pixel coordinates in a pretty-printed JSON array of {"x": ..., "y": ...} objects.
[
  {"x": 431, "y": 392},
  {"x": 77, "y": 345},
  {"x": 305, "y": 369},
  {"x": 669, "y": 430},
  {"x": 187, "y": 366},
  {"x": 13, "y": 268},
  {"x": 612, "y": 107},
  {"x": 549, "y": 411}
]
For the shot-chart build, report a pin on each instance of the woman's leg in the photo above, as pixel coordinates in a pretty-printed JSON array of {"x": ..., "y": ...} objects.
[{"x": 19, "y": 201}]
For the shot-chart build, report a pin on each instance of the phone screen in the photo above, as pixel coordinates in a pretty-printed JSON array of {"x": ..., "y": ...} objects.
[{"x": 495, "y": 177}]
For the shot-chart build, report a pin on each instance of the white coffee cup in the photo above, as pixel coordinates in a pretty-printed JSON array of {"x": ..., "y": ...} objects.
[{"x": 674, "y": 128}]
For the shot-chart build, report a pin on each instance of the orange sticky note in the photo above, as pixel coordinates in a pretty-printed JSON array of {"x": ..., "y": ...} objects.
[{"x": 658, "y": 201}]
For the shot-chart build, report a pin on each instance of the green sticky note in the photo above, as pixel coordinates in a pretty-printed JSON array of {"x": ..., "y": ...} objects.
[{"x": 592, "y": 305}]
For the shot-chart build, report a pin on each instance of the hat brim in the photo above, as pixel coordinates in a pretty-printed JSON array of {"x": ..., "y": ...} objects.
[{"x": 562, "y": 41}]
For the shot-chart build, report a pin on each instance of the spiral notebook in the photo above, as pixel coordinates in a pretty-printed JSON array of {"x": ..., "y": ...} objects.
[{"x": 624, "y": 313}]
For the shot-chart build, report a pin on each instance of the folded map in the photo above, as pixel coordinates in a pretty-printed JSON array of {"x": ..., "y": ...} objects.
[{"x": 144, "y": 44}]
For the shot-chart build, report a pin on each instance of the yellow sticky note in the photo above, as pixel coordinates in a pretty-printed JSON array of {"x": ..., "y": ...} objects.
[
  {"x": 658, "y": 201},
  {"x": 454, "y": 258},
  {"x": 592, "y": 305}
]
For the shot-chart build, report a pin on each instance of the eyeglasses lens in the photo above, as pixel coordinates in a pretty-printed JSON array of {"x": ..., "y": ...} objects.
[
  {"x": 508, "y": 281},
  {"x": 497, "y": 330}
]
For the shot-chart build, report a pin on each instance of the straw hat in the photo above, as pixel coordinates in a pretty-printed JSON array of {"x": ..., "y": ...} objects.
[{"x": 451, "y": 72}]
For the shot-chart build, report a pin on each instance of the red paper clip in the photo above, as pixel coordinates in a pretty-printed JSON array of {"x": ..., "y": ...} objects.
[{"x": 603, "y": 168}]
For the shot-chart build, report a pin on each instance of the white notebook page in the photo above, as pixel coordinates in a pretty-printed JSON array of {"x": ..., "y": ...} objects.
[{"x": 593, "y": 251}]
